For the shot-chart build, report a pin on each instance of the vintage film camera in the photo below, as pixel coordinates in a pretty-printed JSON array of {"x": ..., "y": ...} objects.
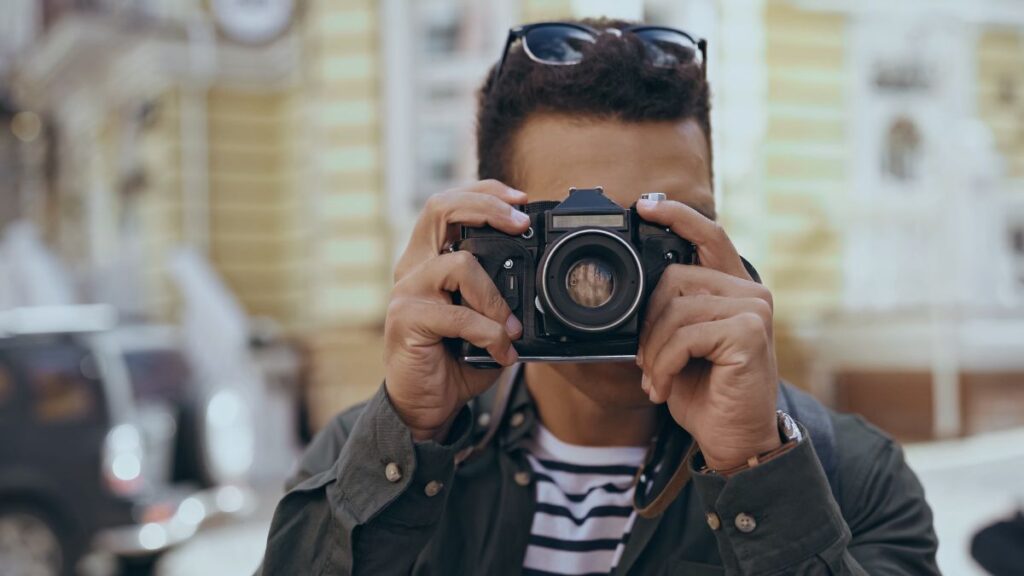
[{"x": 578, "y": 279}]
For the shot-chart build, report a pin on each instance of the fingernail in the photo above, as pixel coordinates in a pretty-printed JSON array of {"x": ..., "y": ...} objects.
[
  {"x": 513, "y": 327},
  {"x": 651, "y": 395},
  {"x": 640, "y": 357},
  {"x": 646, "y": 204},
  {"x": 520, "y": 217},
  {"x": 645, "y": 383},
  {"x": 512, "y": 355},
  {"x": 519, "y": 193}
]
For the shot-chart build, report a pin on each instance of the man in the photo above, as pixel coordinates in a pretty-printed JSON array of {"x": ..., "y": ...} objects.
[{"x": 678, "y": 463}]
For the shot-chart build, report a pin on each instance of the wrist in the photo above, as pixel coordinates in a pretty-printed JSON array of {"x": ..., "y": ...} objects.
[
  {"x": 719, "y": 457},
  {"x": 422, "y": 429},
  {"x": 439, "y": 434}
]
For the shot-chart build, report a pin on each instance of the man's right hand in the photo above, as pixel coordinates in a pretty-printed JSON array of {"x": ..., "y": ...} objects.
[{"x": 427, "y": 385}]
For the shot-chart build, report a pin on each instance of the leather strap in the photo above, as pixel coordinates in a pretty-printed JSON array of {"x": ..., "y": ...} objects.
[
  {"x": 502, "y": 393},
  {"x": 669, "y": 493}
]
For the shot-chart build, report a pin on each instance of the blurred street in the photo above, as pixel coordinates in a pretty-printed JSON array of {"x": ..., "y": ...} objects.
[
  {"x": 230, "y": 550},
  {"x": 991, "y": 464},
  {"x": 202, "y": 203}
]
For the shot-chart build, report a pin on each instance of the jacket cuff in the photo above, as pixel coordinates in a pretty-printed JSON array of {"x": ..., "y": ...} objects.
[
  {"x": 382, "y": 471},
  {"x": 773, "y": 516}
]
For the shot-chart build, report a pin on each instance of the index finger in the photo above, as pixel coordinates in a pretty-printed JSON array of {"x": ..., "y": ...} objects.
[
  {"x": 714, "y": 248},
  {"x": 485, "y": 203}
]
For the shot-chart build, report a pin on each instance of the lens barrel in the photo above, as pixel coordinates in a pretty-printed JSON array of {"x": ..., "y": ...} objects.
[{"x": 591, "y": 280}]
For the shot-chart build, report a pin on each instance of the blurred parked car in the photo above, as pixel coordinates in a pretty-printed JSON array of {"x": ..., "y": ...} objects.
[{"x": 109, "y": 448}]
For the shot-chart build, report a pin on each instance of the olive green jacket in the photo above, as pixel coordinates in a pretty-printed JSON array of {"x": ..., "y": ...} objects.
[{"x": 367, "y": 499}]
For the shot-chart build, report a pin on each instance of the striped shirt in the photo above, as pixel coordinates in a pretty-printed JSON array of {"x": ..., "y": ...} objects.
[{"x": 584, "y": 510}]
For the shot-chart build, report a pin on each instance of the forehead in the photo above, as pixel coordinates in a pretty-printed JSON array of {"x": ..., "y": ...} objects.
[{"x": 552, "y": 153}]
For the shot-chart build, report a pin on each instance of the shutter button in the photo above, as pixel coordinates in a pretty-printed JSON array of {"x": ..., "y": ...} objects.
[
  {"x": 392, "y": 472},
  {"x": 745, "y": 523}
]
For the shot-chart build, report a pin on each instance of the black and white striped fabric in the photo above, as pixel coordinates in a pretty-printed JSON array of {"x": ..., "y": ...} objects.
[{"x": 584, "y": 508}]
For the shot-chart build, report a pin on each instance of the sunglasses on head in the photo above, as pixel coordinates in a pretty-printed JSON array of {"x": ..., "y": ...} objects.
[{"x": 562, "y": 44}]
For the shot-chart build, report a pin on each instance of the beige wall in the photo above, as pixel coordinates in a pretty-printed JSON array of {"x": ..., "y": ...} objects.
[
  {"x": 296, "y": 194},
  {"x": 1000, "y": 94},
  {"x": 540, "y": 10},
  {"x": 803, "y": 167},
  {"x": 256, "y": 240},
  {"x": 804, "y": 157},
  {"x": 339, "y": 161}
]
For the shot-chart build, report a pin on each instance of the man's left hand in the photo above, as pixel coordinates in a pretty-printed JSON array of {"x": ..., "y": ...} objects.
[{"x": 706, "y": 346}]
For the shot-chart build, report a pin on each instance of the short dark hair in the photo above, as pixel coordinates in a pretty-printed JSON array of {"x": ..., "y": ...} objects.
[{"x": 613, "y": 81}]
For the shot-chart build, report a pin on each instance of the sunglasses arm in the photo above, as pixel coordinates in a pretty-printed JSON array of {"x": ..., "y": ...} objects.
[
  {"x": 513, "y": 35},
  {"x": 702, "y": 45}
]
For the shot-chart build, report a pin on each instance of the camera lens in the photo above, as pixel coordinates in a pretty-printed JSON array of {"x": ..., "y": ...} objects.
[{"x": 590, "y": 282}]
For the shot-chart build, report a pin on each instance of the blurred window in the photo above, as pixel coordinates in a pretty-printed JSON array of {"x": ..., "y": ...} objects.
[
  {"x": 8, "y": 393},
  {"x": 1017, "y": 249},
  {"x": 455, "y": 42},
  {"x": 61, "y": 392},
  {"x": 158, "y": 375},
  {"x": 902, "y": 155}
]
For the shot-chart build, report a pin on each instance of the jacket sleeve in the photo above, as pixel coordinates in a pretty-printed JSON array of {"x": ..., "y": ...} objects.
[
  {"x": 792, "y": 524},
  {"x": 358, "y": 504}
]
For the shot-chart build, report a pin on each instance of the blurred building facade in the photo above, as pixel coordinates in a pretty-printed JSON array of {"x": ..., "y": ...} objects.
[{"x": 869, "y": 161}]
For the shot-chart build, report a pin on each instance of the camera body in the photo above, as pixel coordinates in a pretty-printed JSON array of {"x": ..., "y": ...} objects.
[{"x": 578, "y": 279}]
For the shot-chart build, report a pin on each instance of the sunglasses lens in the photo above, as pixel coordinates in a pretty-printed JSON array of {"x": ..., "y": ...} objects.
[
  {"x": 557, "y": 44},
  {"x": 666, "y": 48}
]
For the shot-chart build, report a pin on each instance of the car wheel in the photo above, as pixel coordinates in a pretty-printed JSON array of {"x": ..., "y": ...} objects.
[{"x": 30, "y": 544}]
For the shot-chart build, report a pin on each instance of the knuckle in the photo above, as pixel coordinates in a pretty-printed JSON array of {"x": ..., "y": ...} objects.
[
  {"x": 410, "y": 282},
  {"x": 718, "y": 233},
  {"x": 766, "y": 295},
  {"x": 752, "y": 326},
  {"x": 397, "y": 310},
  {"x": 683, "y": 334},
  {"x": 462, "y": 259},
  {"x": 437, "y": 203},
  {"x": 490, "y": 185},
  {"x": 763, "y": 309},
  {"x": 674, "y": 273},
  {"x": 432, "y": 203}
]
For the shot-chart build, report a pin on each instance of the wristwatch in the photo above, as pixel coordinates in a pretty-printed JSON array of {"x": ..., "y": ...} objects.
[
  {"x": 788, "y": 429},
  {"x": 789, "y": 433}
]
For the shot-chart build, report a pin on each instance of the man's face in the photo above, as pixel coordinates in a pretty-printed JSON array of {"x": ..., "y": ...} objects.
[{"x": 552, "y": 153}]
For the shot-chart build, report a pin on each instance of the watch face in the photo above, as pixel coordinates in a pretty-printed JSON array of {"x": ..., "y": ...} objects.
[
  {"x": 252, "y": 21},
  {"x": 788, "y": 427}
]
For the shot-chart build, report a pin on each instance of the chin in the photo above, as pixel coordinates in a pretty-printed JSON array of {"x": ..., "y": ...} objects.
[{"x": 607, "y": 383}]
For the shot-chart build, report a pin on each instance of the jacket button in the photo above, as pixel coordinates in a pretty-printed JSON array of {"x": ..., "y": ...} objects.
[
  {"x": 745, "y": 523},
  {"x": 483, "y": 419},
  {"x": 392, "y": 472},
  {"x": 433, "y": 488},
  {"x": 517, "y": 420},
  {"x": 713, "y": 521},
  {"x": 522, "y": 478}
]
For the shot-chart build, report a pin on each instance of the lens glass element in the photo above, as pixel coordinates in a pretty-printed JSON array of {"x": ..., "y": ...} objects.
[
  {"x": 666, "y": 48},
  {"x": 590, "y": 282},
  {"x": 557, "y": 44}
]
